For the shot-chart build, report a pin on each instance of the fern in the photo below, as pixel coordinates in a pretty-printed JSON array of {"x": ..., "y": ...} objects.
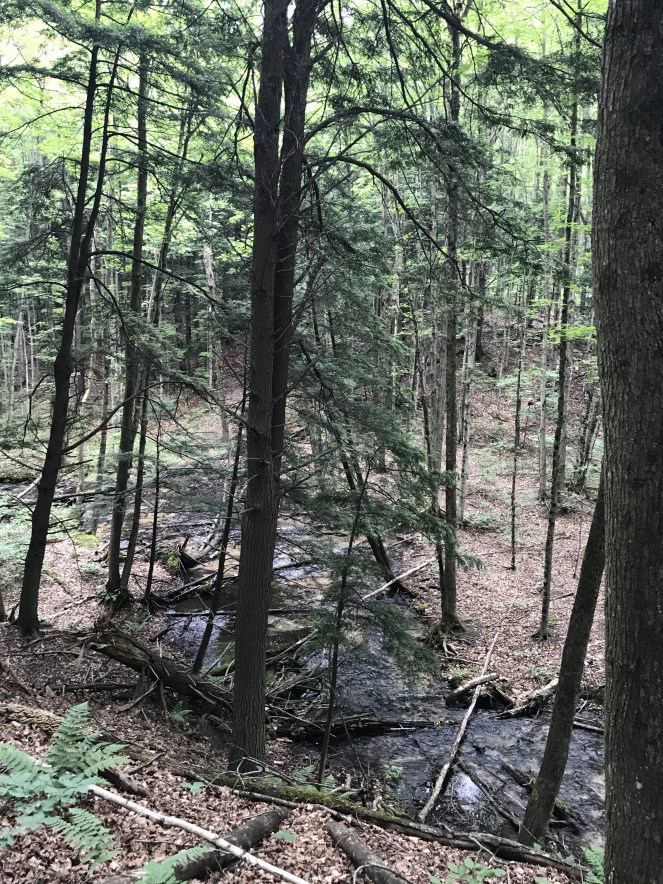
[
  {"x": 45, "y": 793},
  {"x": 79, "y": 750},
  {"x": 15, "y": 760},
  {"x": 595, "y": 856},
  {"x": 163, "y": 871},
  {"x": 83, "y": 831}
]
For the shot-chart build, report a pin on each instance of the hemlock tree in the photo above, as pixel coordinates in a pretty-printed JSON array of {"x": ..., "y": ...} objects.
[
  {"x": 284, "y": 73},
  {"x": 628, "y": 274}
]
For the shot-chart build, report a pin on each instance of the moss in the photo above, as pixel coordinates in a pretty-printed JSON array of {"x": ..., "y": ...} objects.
[
  {"x": 87, "y": 541},
  {"x": 305, "y": 795}
]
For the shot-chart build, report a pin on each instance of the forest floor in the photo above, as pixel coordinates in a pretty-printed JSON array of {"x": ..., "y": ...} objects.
[{"x": 44, "y": 674}]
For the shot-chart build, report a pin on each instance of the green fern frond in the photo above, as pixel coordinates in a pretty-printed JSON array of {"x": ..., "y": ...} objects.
[
  {"x": 45, "y": 794},
  {"x": 302, "y": 774},
  {"x": 595, "y": 856},
  {"x": 77, "y": 749},
  {"x": 15, "y": 761},
  {"x": 86, "y": 834},
  {"x": 163, "y": 871}
]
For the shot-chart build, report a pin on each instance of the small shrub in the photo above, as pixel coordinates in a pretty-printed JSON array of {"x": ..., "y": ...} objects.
[
  {"x": 489, "y": 522},
  {"x": 468, "y": 872}
]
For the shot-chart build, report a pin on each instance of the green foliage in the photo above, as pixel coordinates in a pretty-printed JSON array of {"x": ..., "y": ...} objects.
[
  {"x": 75, "y": 748},
  {"x": 469, "y": 872},
  {"x": 285, "y": 835},
  {"x": 45, "y": 793},
  {"x": 595, "y": 856},
  {"x": 194, "y": 787},
  {"x": 86, "y": 541},
  {"x": 83, "y": 831},
  {"x": 487, "y": 521},
  {"x": 163, "y": 871},
  {"x": 14, "y": 536},
  {"x": 179, "y": 714},
  {"x": 393, "y": 773}
]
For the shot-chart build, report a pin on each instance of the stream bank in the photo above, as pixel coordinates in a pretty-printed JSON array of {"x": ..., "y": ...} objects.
[{"x": 398, "y": 768}]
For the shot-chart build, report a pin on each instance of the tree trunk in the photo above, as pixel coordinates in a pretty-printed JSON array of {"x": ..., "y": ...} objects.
[
  {"x": 516, "y": 439},
  {"x": 225, "y": 537},
  {"x": 449, "y": 615},
  {"x": 628, "y": 277},
  {"x": 261, "y": 513},
  {"x": 466, "y": 406},
  {"x": 81, "y": 237},
  {"x": 138, "y": 493},
  {"x": 117, "y": 593},
  {"x": 560, "y": 427},
  {"x": 546, "y": 788}
]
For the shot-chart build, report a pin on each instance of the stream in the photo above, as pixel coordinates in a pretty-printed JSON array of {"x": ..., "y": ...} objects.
[{"x": 401, "y": 766}]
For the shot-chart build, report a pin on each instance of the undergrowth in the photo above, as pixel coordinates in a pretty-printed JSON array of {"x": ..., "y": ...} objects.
[{"x": 46, "y": 792}]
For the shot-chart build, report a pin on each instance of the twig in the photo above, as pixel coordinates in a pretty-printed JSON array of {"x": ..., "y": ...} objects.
[
  {"x": 439, "y": 783},
  {"x": 138, "y": 767},
  {"x": 128, "y": 706},
  {"x": 204, "y": 834}
]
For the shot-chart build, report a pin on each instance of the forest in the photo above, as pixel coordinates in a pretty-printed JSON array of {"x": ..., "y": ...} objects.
[{"x": 331, "y": 369}]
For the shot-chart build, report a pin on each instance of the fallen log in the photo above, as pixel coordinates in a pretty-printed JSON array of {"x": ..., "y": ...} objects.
[
  {"x": 296, "y": 682},
  {"x": 198, "y": 831},
  {"x": 245, "y": 836},
  {"x": 439, "y": 783},
  {"x": 452, "y": 696},
  {"x": 361, "y": 857},
  {"x": 359, "y": 725},
  {"x": 532, "y": 701},
  {"x": 183, "y": 592},
  {"x": 206, "y": 695}
]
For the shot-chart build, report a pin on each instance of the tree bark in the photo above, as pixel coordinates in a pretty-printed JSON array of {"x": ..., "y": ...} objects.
[
  {"x": 118, "y": 592},
  {"x": 81, "y": 237},
  {"x": 628, "y": 278},
  {"x": 546, "y": 788},
  {"x": 449, "y": 591},
  {"x": 261, "y": 513},
  {"x": 557, "y": 477}
]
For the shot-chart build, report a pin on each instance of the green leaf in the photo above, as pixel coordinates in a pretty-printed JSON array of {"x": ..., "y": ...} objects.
[
  {"x": 285, "y": 835},
  {"x": 195, "y": 787}
]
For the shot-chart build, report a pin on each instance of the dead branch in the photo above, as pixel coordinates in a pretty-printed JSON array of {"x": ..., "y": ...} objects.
[
  {"x": 193, "y": 829},
  {"x": 359, "y": 854},
  {"x": 468, "y": 685},
  {"x": 439, "y": 783},
  {"x": 245, "y": 836},
  {"x": 398, "y": 579},
  {"x": 534, "y": 700},
  {"x": 203, "y": 693}
]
